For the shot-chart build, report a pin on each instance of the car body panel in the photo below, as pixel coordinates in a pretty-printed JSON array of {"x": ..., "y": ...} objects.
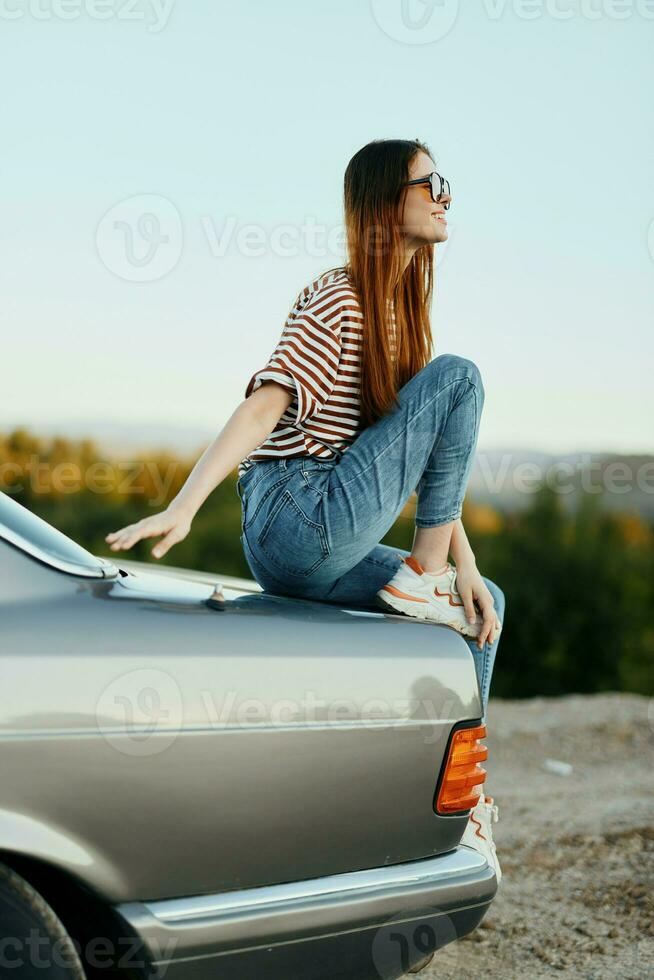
[
  {"x": 166, "y": 737},
  {"x": 270, "y": 779}
]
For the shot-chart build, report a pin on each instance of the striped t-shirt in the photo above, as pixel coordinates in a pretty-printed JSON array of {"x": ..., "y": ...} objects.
[{"x": 318, "y": 358}]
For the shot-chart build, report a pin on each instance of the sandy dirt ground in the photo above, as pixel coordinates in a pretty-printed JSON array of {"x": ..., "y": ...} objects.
[{"x": 577, "y": 851}]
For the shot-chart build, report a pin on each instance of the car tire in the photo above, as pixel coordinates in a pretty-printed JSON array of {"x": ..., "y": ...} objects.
[{"x": 32, "y": 934}]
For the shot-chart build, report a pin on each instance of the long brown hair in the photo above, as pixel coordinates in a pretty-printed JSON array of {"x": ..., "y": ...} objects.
[{"x": 373, "y": 201}]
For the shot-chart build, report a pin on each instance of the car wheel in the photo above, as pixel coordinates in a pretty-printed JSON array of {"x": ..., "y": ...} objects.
[{"x": 33, "y": 941}]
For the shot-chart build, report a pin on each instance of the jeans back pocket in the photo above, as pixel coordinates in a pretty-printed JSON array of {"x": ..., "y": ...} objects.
[
  {"x": 256, "y": 493},
  {"x": 289, "y": 539}
]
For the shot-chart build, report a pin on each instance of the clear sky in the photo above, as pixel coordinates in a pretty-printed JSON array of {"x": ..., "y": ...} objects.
[{"x": 231, "y": 125}]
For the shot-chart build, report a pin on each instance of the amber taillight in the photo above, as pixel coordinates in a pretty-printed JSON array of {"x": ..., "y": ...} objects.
[{"x": 463, "y": 776}]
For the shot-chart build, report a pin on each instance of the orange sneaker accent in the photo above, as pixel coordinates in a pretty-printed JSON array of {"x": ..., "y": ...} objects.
[
  {"x": 414, "y": 564},
  {"x": 478, "y": 830},
  {"x": 443, "y": 594},
  {"x": 401, "y": 595}
]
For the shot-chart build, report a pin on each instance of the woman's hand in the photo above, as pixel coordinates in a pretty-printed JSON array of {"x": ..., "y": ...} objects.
[
  {"x": 174, "y": 522},
  {"x": 472, "y": 587}
]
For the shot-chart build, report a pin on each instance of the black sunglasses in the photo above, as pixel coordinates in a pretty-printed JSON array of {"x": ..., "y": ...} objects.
[{"x": 438, "y": 186}]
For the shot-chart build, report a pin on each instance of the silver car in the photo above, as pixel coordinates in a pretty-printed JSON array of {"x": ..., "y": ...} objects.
[{"x": 200, "y": 779}]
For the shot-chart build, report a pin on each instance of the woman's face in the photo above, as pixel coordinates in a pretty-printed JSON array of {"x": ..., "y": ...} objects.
[{"x": 423, "y": 221}]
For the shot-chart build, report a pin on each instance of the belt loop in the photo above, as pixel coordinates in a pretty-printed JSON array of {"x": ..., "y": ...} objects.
[{"x": 282, "y": 464}]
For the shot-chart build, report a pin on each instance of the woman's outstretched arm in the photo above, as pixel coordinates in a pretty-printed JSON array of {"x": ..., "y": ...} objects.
[{"x": 249, "y": 425}]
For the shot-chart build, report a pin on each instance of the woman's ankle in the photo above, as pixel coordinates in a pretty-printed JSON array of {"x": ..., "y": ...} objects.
[{"x": 431, "y": 567}]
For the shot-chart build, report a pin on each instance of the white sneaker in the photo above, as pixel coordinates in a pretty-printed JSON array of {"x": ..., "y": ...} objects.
[
  {"x": 478, "y": 834},
  {"x": 425, "y": 595}
]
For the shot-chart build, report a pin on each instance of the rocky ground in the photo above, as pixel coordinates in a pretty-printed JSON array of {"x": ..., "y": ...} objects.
[{"x": 577, "y": 851}]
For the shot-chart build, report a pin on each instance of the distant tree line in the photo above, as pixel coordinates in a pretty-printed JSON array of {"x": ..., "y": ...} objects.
[{"x": 579, "y": 586}]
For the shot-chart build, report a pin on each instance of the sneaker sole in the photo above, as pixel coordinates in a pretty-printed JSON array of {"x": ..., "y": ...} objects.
[{"x": 407, "y": 607}]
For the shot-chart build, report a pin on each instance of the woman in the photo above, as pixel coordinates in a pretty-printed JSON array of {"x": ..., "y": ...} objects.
[{"x": 347, "y": 418}]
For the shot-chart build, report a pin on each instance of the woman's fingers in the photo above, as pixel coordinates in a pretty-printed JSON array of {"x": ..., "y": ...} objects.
[
  {"x": 468, "y": 604},
  {"x": 116, "y": 534},
  {"x": 127, "y": 536},
  {"x": 174, "y": 525},
  {"x": 162, "y": 547},
  {"x": 487, "y": 631},
  {"x": 118, "y": 538}
]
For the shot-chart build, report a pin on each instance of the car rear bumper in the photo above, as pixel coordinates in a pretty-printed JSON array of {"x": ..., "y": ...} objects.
[{"x": 373, "y": 923}]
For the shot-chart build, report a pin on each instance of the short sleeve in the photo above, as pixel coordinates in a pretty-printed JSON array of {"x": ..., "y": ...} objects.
[{"x": 305, "y": 360}]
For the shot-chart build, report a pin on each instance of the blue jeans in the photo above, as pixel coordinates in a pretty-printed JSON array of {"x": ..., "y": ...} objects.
[{"x": 311, "y": 528}]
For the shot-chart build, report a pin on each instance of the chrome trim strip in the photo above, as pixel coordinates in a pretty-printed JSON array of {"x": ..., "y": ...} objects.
[
  {"x": 262, "y": 726},
  {"x": 429, "y": 871},
  {"x": 107, "y": 569}
]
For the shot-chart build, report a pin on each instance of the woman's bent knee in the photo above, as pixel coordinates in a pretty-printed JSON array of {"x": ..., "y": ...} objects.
[{"x": 463, "y": 366}]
